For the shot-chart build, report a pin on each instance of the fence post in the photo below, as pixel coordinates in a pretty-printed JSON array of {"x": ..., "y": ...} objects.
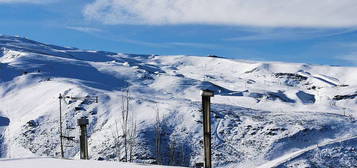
[{"x": 83, "y": 139}]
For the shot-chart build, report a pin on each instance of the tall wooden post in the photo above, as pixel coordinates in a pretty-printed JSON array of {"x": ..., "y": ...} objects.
[
  {"x": 83, "y": 139},
  {"x": 206, "y": 107},
  {"x": 60, "y": 124}
]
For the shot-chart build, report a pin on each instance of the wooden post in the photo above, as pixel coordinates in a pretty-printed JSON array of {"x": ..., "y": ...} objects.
[{"x": 206, "y": 107}]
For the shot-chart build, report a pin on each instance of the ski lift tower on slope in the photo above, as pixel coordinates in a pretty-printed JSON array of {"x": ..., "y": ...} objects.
[{"x": 92, "y": 98}]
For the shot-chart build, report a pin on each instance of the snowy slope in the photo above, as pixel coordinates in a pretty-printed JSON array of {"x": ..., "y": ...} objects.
[
  {"x": 287, "y": 159},
  {"x": 262, "y": 110},
  {"x": 58, "y": 163}
]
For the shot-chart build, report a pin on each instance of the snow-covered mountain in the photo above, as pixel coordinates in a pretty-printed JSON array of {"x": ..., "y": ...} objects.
[{"x": 264, "y": 113}]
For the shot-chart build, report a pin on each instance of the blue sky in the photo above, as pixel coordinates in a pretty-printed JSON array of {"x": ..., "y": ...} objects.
[{"x": 317, "y": 32}]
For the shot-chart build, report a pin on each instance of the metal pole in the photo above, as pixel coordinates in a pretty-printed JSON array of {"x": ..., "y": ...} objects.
[
  {"x": 206, "y": 107},
  {"x": 83, "y": 122},
  {"x": 60, "y": 125}
]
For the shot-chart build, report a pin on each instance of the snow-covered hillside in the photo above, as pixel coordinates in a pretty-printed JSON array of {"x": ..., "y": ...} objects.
[
  {"x": 262, "y": 111},
  {"x": 43, "y": 162}
]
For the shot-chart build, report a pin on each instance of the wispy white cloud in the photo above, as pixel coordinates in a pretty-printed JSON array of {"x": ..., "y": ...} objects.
[
  {"x": 346, "y": 51},
  {"x": 267, "y": 13},
  {"x": 28, "y": 1},
  {"x": 194, "y": 45},
  {"x": 351, "y": 58},
  {"x": 351, "y": 45},
  {"x": 288, "y": 33},
  {"x": 84, "y": 29},
  {"x": 169, "y": 44},
  {"x": 143, "y": 43}
]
